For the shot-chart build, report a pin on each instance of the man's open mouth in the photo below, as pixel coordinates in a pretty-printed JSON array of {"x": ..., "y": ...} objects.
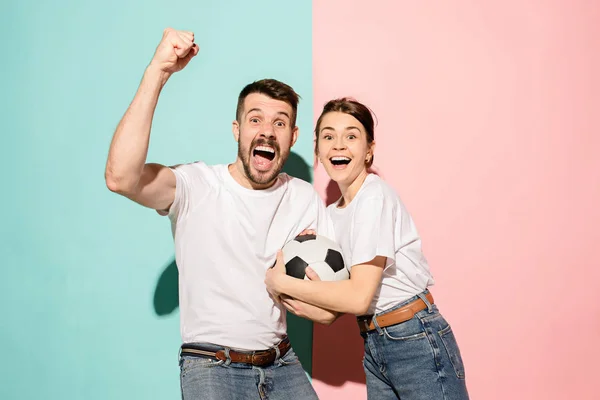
[
  {"x": 265, "y": 152},
  {"x": 263, "y": 157}
]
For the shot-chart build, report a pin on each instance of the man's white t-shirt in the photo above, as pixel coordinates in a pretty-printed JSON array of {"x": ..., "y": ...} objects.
[
  {"x": 226, "y": 237},
  {"x": 376, "y": 223}
]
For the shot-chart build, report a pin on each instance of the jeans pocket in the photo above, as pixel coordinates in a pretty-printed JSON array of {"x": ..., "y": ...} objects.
[
  {"x": 290, "y": 358},
  {"x": 188, "y": 364},
  {"x": 451, "y": 346},
  {"x": 409, "y": 330}
]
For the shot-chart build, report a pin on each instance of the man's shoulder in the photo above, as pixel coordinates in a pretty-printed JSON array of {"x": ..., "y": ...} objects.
[
  {"x": 195, "y": 166},
  {"x": 298, "y": 186},
  {"x": 211, "y": 174},
  {"x": 296, "y": 183}
]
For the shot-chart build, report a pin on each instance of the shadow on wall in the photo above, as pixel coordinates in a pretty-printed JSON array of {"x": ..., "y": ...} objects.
[
  {"x": 166, "y": 293},
  {"x": 338, "y": 350}
]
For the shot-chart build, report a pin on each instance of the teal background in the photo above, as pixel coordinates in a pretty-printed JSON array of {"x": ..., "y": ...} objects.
[{"x": 88, "y": 305}]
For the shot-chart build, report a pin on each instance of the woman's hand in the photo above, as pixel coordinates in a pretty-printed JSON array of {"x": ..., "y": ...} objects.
[
  {"x": 308, "y": 311},
  {"x": 298, "y": 307}
]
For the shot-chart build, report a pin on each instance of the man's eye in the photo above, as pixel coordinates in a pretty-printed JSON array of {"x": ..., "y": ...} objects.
[
  {"x": 280, "y": 124},
  {"x": 254, "y": 120}
]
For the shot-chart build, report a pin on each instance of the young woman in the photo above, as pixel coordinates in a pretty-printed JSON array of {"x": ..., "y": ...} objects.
[{"x": 410, "y": 350}]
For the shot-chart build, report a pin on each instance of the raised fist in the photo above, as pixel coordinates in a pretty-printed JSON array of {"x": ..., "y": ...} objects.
[{"x": 174, "y": 51}]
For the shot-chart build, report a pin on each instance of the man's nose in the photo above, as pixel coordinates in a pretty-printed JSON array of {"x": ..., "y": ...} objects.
[{"x": 267, "y": 131}]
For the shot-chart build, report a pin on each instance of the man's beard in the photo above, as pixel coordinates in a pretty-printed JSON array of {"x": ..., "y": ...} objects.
[{"x": 262, "y": 178}]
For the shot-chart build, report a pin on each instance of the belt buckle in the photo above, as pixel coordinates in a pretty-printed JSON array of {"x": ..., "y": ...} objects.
[{"x": 363, "y": 324}]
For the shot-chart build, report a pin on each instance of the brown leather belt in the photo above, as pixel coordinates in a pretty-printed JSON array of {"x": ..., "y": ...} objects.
[
  {"x": 402, "y": 314},
  {"x": 259, "y": 358}
]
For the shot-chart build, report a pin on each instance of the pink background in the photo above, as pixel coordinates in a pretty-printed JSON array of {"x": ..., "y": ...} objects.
[{"x": 489, "y": 130}]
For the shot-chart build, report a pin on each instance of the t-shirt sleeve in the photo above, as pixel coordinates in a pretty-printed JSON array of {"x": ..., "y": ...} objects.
[
  {"x": 324, "y": 224},
  {"x": 373, "y": 230},
  {"x": 315, "y": 217},
  {"x": 190, "y": 184}
]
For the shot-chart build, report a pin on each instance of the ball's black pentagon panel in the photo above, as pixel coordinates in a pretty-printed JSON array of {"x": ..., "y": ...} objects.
[
  {"x": 335, "y": 260},
  {"x": 320, "y": 253},
  {"x": 295, "y": 267},
  {"x": 304, "y": 238}
]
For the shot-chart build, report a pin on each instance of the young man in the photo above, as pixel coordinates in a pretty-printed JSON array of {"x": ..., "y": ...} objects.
[{"x": 228, "y": 222}]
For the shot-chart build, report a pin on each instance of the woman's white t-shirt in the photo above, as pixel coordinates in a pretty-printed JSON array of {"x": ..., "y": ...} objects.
[{"x": 376, "y": 223}]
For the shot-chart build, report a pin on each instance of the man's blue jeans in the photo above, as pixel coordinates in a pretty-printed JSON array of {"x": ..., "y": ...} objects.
[
  {"x": 205, "y": 378},
  {"x": 417, "y": 359}
]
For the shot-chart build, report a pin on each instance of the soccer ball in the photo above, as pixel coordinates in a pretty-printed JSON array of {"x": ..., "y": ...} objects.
[{"x": 323, "y": 255}]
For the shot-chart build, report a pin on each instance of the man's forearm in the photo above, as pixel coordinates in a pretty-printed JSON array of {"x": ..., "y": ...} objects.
[{"x": 129, "y": 146}]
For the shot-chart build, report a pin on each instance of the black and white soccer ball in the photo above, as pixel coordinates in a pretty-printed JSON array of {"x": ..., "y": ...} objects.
[{"x": 322, "y": 254}]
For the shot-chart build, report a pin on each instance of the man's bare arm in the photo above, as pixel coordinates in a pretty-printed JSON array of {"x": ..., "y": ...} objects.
[{"x": 127, "y": 173}]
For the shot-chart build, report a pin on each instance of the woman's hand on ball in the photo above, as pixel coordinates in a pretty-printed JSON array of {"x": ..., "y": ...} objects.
[
  {"x": 296, "y": 306},
  {"x": 311, "y": 274},
  {"x": 308, "y": 232}
]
